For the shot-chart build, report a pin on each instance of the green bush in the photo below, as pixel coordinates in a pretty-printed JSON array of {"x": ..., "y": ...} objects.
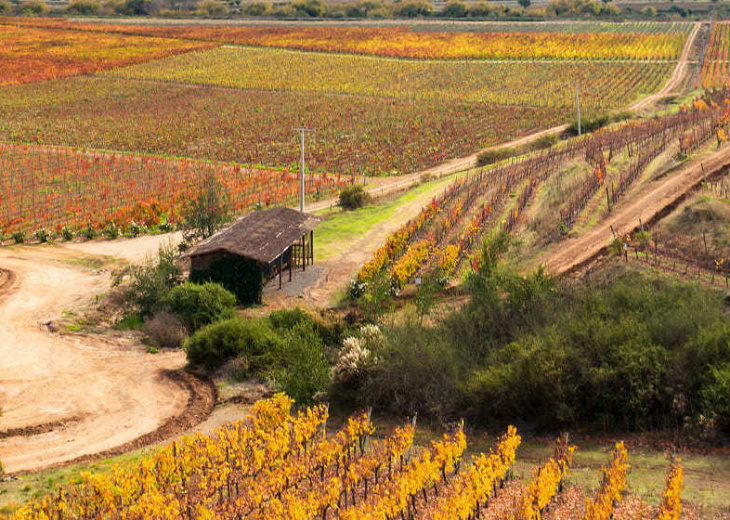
[
  {"x": 212, "y": 8},
  {"x": 33, "y": 7},
  {"x": 287, "y": 319},
  {"x": 198, "y": 305},
  {"x": 492, "y": 156},
  {"x": 111, "y": 230},
  {"x": 305, "y": 371},
  {"x": 255, "y": 9},
  {"x": 150, "y": 283},
  {"x": 552, "y": 355},
  {"x": 19, "y": 237},
  {"x": 412, "y": 8},
  {"x": 353, "y": 197},
  {"x": 215, "y": 344},
  {"x": 89, "y": 232},
  {"x": 310, "y": 8},
  {"x": 5, "y": 8},
  {"x": 67, "y": 234},
  {"x": 454, "y": 9},
  {"x": 84, "y": 7},
  {"x": 42, "y": 235}
]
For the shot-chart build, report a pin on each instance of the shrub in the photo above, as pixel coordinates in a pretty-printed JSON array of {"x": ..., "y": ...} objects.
[
  {"x": 111, "y": 230},
  {"x": 67, "y": 234},
  {"x": 454, "y": 9},
  {"x": 33, "y": 7},
  {"x": 353, "y": 197},
  {"x": 311, "y": 8},
  {"x": 19, "y": 237},
  {"x": 412, "y": 8},
  {"x": 207, "y": 212},
  {"x": 198, "y": 305},
  {"x": 212, "y": 8},
  {"x": 492, "y": 156},
  {"x": 84, "y": 7},
  {"x": 5, "y": 8},
  {"x": 219, "y": 342},
  {"x": 255, "y": 9},
  {"x": 287, "y": 319},
  {"x": 480, "y": 10},
  {"x": 135, "y": 229},
  {"x": 306, "y": 371},
  {"x": 89, "y": 232},
  {"x": 150, "y": 283},
  {"x": 2, "y": 470},
  {"x": 165, "y": 329},
  {"x": 42, "y": 235}
]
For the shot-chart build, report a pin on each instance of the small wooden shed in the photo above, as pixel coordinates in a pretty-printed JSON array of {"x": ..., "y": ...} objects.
[{"x": 254, "y": 249}]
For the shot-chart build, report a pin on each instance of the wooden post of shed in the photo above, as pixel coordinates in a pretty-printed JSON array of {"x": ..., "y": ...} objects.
[
  {"x": 291, "y": 254},
  {"x": 311, "y": 244},
  {"x": 279, "y": 267},
  {"x": 304, "y": 254}
]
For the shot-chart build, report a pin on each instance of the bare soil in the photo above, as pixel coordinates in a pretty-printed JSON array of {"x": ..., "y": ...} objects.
[{"x": 66, "y": 396}]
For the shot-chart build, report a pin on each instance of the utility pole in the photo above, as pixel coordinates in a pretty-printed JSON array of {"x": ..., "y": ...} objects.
[
  {"x": 577, "y": 105},
  {"x": 302, "y": 131}
]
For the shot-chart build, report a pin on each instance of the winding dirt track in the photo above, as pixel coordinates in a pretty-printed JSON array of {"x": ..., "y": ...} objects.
[{"x": 69, "y": 395}]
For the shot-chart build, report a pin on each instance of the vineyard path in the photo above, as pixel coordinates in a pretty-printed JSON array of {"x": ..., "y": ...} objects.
[
  {"x": 646, "y": 204},
  {"x": 672, "y": 85},
  {"x": 69, "y": 395}
]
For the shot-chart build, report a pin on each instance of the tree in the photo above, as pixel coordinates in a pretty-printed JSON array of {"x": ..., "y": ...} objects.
[
  {"x": 454, "y": 9},
  {"x": 212, "y": 8},
  {"x": 524, "y": 3},
  {"x": 207, "y": 213}
]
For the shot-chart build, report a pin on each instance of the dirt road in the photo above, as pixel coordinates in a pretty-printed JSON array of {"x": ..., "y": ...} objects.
[
  {"x": 69, "y": 395},
  {"x": 647, "y": 203},
  {"x": 680, "y": 71}
]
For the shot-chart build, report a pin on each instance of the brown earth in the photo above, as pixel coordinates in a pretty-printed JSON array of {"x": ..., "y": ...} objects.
[{"x": 68, "y": 395}]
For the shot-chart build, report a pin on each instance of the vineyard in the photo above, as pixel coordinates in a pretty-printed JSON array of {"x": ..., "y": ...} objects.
[
  {"x": 661, "y": 41},
  {"x": 443, "y": 236},
  {"x": 406, "y": 115},
  {"x": 715, "y": 71},
  {"x": 53, "y": 188},
  {"x": 354, "y": 134},
  {"x": 605, "y": 86},
  {"x": 279, "y": 465},
  {"x": 37, "y": 54}
]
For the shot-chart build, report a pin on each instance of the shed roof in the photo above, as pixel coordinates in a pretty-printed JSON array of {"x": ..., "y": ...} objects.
[{"x": 262, "y": 235}]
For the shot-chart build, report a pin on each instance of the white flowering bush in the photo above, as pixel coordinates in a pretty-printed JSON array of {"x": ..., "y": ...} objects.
[
  {"x": 357, "y": 289},
  {"x": 356, "y": 354}
]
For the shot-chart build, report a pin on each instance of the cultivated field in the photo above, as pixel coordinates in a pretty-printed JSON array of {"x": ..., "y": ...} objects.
[
  {"x": 429, "y": 302},
  {"x": 279, "y": 465}
]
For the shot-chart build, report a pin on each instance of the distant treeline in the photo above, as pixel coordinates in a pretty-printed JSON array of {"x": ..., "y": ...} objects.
[{"x": 361, "y": 9}]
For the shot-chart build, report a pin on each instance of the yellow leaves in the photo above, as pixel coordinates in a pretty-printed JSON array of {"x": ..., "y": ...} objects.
[
  {"x": 546, "y": 481},
  {"x": 286, "y": 470},
  {"x": 671, "y": 507},
  {"x": 613, "y": 482}
]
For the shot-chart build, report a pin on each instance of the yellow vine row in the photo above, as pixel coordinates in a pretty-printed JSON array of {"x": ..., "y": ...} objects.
[
  {"x": 671, "y": 507},
  {"x": 547, "y": 482},
  {"x": 392, "y": 496},
  {"x": 613, "y": 484},
  {"x": 468, "y": 492}
]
